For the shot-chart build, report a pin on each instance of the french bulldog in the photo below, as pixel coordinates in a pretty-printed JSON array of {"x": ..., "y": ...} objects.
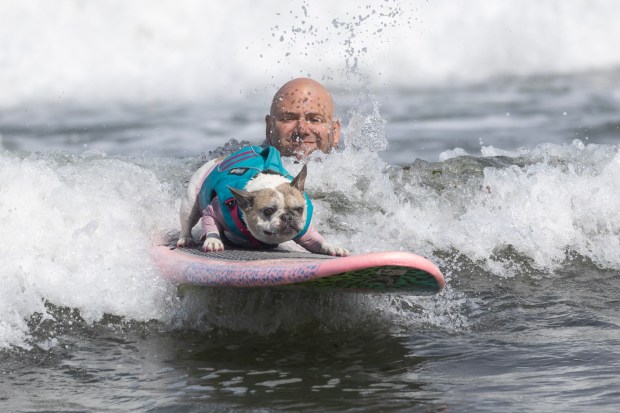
[{"x": 262, "y": 212}]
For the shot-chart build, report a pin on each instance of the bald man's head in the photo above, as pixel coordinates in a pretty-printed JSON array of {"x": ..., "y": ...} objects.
[
  {"x": 300, "y": 90},
  {"x": 301, "y": 119}
]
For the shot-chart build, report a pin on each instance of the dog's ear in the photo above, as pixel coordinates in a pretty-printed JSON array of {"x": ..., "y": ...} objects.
[
  {"x": 300, "y": 179},
  {"x": 245, "y": 200}
]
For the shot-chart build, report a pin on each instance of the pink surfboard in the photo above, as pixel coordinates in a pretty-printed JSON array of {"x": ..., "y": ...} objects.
[{"x": 401, "y": 272}]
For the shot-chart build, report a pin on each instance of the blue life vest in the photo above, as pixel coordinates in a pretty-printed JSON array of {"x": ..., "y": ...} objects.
[{"x": 235, "y": 171}]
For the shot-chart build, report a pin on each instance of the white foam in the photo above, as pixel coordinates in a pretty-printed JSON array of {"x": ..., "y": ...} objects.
[
  {"x": 76, "y": 233},
  {"x": 276, "y": 383},
  {"x": 452, "y": 153},
  {"x": 564, "y": 199}
]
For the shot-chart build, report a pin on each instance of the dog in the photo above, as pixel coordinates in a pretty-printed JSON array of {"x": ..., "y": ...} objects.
[{"x": 249, "y": 200}]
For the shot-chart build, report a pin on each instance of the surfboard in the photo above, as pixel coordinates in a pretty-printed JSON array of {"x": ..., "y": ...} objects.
[{"x": 379, "y": 272}]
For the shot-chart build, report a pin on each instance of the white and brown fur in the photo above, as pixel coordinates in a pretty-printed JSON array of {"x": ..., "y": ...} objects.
[{"x": 274, "y": 209}]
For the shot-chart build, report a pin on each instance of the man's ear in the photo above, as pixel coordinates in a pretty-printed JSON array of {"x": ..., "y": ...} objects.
[
  {"x": 300, "y": 179},
  {"x": 268, "y": 129},
  {"x": 335, "y": 132},
  {"x": 245, "y": 200}
]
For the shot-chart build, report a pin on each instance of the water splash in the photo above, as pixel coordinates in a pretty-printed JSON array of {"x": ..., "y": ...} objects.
[
  {"x": 78, "y": 232},
  {"x": 80, "y": 228},
  {"x": 165, "y": 53},
  {"x": 366, "y": 129}
]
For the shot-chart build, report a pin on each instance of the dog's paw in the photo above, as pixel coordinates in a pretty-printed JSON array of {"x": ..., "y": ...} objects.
[
  {"x": 184, "y": 242},
  {"x": 212, "y": 245},
  {"x": 334, "y": 251}
]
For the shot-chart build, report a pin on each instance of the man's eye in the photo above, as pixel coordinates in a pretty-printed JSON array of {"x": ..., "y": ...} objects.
[
  {"x": 316, "y": 120},
  {"x": 268, "y": 211}
]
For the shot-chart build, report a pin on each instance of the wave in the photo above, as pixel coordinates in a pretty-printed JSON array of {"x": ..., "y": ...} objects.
[{"x": 78, "y": 229}]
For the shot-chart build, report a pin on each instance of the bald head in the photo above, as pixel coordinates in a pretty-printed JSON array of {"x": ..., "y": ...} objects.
[
  {"x": 301, "y": 119},
  {"x": 299, "y": 91}
]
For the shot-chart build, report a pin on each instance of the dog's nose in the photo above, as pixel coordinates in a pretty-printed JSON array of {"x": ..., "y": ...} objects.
[{"x": 287, "y": 218}]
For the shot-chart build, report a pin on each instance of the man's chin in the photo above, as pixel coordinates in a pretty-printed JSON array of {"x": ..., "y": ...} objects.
[{"x": 296, "y": 151}]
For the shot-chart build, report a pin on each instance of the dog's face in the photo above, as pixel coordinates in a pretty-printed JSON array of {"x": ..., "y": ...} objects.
[{"x": 274, "y": 208}]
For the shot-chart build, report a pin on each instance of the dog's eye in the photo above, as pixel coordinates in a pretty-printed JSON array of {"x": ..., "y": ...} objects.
[
  {"x": 299, "y": 210},
  {"x": 268, "y": 211}
]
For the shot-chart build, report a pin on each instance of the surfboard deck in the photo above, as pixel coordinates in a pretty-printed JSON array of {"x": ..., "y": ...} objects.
[{"x": 386, "y": 272}]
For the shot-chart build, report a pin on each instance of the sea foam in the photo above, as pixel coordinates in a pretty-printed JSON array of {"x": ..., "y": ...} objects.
[{"x": 77, "y": 233}]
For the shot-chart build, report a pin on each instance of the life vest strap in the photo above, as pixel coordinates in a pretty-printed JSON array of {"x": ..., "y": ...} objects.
[{"x": 233, "y": 208}]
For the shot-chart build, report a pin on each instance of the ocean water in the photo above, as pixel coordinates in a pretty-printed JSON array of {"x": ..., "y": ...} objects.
[{"x": 481, "y": 135}]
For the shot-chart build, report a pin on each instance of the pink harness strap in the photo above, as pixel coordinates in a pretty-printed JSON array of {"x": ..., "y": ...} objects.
[
  {"x": 231, "y": 203},
  {"x": 241, "y": 156}
]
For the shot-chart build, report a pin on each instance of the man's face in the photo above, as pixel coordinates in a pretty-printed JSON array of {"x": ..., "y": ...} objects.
[{"x": 302, "y": 121}]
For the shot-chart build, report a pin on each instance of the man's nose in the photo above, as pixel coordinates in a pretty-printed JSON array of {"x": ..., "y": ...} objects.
[{"x": 302, "y": 126}]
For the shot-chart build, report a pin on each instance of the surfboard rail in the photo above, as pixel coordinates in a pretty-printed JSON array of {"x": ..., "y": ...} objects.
[{"x": 377, "y": 271}]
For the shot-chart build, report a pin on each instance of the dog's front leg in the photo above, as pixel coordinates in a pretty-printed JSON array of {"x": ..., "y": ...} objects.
[
  {"x": 334, "y": 251},
  {"x": 189, "y": 214},
  {"x": 213, "y": 241},
  {"x": 314, "y": 242}
]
